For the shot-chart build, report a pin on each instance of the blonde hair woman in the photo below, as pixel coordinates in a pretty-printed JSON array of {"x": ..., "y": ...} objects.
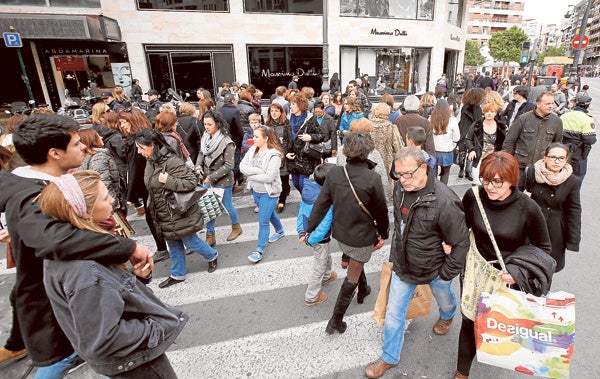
[{"x": 386, "y": 137}]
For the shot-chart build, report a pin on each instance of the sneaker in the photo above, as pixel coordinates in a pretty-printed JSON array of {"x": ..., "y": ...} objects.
[
  {"x": 161, "y": 255},
  {"x": 255, "y": 257},
  {"x": 332, "y": 277},
  {"x": 76, "y": 364},
  {"x": 321, "y": 298},
  {"x": 276, "y": 237},
  {"x": 9, "y": 356},
  {"x": 442, "y": 326}
]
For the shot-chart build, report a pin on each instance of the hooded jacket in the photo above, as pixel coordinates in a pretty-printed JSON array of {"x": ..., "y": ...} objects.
[
  {"x": 435, "y": 217},
  {"x": 35, "y": 237},
  {"x": 322, "y": 233}
]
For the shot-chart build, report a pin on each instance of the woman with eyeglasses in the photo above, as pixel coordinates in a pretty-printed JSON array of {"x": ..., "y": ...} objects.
[
  {"x": 556, "y": 190},
  {"x": 261, "y": 165},
  {"x": 515, "y": 220}
]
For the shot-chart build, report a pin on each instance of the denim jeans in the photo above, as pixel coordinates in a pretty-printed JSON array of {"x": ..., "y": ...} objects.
[
  {"x": 400, "y": 295},
  {"x": 298, "y": 181},
  {"x": 177, "y": 251},
  {"x": 266, "y": 215},
  {"x": 57, "y": 370},
  {"x": 159, "y": 368},
  {"x": 321, "y": 270},
  {"x": 228, "y": 203}
]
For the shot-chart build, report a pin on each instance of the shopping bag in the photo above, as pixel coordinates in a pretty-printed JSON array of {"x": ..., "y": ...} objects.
[
  {"x": 525, "y": 333},
  {"x": 211, "y": 205},
  {"x": 420, "y": 304},
  {"x": 480, "y": 276}
]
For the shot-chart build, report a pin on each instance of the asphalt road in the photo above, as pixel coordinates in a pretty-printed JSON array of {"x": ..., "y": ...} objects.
[{"x": 249, "y": 320}]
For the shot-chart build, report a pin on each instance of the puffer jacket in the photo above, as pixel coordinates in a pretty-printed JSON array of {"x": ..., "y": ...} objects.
[
  {"x": 134, "y": 326},
  {"x": 322, "y": 233},
  {"x": 530, "y": 134},
  {"x": 246, "y": 109},
  {"x": 104, "y": 164},
  {"x": 181, "y": 179},
  {"x": 436, "y": 216},
  {"x": 220, "y": 170}
]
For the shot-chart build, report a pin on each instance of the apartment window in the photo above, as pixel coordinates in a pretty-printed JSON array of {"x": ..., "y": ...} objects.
[
  {"x": 185, "y": 5},
  {"x": 54, "y": 3},
  {"x": 403, "y": 9},
  {"x": 284, "y": 6}
]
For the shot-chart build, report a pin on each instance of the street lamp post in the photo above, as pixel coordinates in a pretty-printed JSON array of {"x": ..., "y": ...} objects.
[{"x": 325, "y": 71}]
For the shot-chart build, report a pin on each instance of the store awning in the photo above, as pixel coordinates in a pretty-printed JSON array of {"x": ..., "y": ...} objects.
[
  {"x": 558, "y": 60},
  {"x": 73, "y": 27}
]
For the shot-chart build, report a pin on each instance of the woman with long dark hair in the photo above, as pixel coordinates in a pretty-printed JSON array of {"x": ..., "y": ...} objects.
[
  {"x": 469, "y": 113},
  {"x": 277, "y": 120},
  {"x": 445, "y": 136}
]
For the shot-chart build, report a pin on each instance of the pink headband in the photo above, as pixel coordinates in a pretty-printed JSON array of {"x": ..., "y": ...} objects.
[{"x": 68, "y": 185}]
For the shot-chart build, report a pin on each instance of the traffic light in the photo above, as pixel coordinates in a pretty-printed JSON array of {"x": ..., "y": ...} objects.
[{"x": 525, "y": 53}]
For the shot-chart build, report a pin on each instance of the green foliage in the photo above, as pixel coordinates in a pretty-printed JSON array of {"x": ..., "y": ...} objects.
[
  {"x": 551, "y": 52},
  {"x": 506, "y": 46},
  {"x": 473, "y": 56}
]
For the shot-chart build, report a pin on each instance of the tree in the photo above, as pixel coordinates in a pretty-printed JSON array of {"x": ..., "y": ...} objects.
[
  {"x": 551, "y": 52},
  {"x": 473, "y": 56},
  {"x": 506, "y": 46}
]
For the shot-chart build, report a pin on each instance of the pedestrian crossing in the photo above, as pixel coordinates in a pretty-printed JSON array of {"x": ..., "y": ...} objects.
[{"x": 250, "y": 320}]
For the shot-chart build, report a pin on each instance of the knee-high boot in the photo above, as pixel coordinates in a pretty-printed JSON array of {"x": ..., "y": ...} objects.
[
  {"x": 363, "y": 288},
  {"x": 469, "y": 170},
  {"x": 341, "y": 305}
]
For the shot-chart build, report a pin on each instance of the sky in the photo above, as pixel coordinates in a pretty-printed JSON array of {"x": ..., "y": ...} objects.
[{"x": 547, "y": 11}]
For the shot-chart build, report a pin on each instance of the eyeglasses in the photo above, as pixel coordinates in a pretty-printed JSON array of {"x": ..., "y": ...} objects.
[
  {"x": 556, "y": 159},
  {"x": 406, "y": 175},
  {"x": 496, "y": 182}
]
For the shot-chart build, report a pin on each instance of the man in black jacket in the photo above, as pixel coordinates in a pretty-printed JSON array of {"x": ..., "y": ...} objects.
[
  {"x": 51, "y": 146},
  {"x": 517, "y": 106},
  {"x": 233, "y": 116},
  {"x": 429, "y": 246}
]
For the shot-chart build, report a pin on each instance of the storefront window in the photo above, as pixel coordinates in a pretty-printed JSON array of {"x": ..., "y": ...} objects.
[
  {"x": 284, "y": 6},
  {"x": 404, "y": 9},
  {"x": 273, "y": 66},
  {"x": 186, "y": 5},
  {"x": 455, "y": 11},
  {"x": 397, "y": 71},
  {"x": 55, "y": 3}
]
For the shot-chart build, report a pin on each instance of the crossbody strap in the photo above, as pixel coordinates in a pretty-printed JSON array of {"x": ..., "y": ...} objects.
[
  {"x": 475, "y": 190},
  {"x": 360, "y": 203}
]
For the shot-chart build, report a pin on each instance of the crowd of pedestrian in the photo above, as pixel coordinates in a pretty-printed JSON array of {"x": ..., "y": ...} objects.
[{"x": 347, "y": 157}]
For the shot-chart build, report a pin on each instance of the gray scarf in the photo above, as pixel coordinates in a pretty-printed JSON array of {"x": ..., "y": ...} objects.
[{"x": 209, "y": 144}]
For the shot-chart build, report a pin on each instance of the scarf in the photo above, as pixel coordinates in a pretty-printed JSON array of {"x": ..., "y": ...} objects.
[
  {"x": 296, "y": 122},
  {"x": 543, "y": 175},
  {"x": 209, "y": 144},
  {"x": 184, "y": 150}
]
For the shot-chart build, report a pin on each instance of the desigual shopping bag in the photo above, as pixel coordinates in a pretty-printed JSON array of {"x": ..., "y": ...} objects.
[
  {"x": 525, "y": 333},
  {"x": 211, "y": 205}
]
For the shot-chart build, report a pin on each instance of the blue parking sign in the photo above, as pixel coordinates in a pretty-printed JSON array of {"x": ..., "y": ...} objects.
[{"x": 12, "y": 39}]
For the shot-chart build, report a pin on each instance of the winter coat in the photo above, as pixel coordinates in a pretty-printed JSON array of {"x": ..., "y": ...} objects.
[
  {"x": 35, "y": 237},
  {"x": 264, "y": 177},
  {"x": 474, "y": 139},
  {"x": 113, "y": 141},
  {"x": 191, "y": 131},
  {"x": 220, "y": 170},
  {"x": 136, "y": 165},
  {"x": 246, "y": 109},
  {"x": 530, "y": 134},
  {"x": 233, "y": 117},
  {"x": 303, "y": 164},
  {"x": 322, "y": 233},
  {"x": 329, "y": 129},
  {"x": 468, "y": 115},
  {"x": 346, "y": 119},
  {"x": 283, "y": 132},
  {"x": 414, "y": 119},
  {"x": 532, "y": 269},
  {"x": 506, "y": 114},
  {"x": 435, "y": 217},
  {"x": 104, "y": 164},
  {"x": 133, "y": 328},
  {"x": 561, "y": 206},
  {"x": 181, "y": 179},
  {"x": 375, "y": 163},
  {"x": 351, "y": 225}
]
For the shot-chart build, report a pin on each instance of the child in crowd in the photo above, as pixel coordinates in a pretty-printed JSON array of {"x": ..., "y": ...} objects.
[
  {"x": 255, "y": 121},
  {"x": 319, "y": 239},
  {"x": 415, "y": 136}
]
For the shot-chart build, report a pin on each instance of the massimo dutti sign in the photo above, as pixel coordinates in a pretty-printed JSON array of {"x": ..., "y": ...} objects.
[{"x": 395, "y": 32}]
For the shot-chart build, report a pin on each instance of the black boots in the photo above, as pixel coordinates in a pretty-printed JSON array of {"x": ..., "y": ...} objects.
[
  {"x": 461, "y": 172},
  {"x": 341, "y": 305},
  {"x": 363, "y": 289},
  {"x": 469, "y": 170}
]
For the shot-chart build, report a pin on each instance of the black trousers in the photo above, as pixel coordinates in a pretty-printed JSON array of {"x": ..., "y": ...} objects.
[
  {"x": 158, "y": 239},
  {"x": 160, "y": 368},
  {"x": 14, "y": 341},
  {"x": 466, "y": 346},
  {"x": 285, "y": 188}
]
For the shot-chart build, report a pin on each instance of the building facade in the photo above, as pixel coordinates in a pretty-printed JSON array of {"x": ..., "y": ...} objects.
[
  {"x": 570, "y": 28},
  {"x": 404, "y": 46},
  {"x": 490, "y": 16}
]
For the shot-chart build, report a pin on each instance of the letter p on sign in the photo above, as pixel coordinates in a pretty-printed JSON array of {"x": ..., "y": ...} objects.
[{"x": 12, "y": 39}]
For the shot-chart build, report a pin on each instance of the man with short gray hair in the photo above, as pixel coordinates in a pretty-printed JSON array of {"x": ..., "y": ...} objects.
[
  {"x": 413, "y": 118},
  {"x": 429, "y": 246}
]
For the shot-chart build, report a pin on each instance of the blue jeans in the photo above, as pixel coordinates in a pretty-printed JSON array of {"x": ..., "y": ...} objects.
[
  {"x": 266, "y": 215},
  {"x": 395, "y": 317},
  {"x": 177, "y": 251},
  {"x": 228, "y": 204},
  {"x": 57, "y": 370},
  {"x": 298, "y": 181}
]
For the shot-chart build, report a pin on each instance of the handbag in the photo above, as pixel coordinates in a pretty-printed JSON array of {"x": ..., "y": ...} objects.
[
  {"x": 419, "y": 306},
  {"x": 525, "y": 333},
  {"x": 181, "y": 202},
  {"x": 459, "y": 155},
  {"x": 123, "y": 227},
  {"x": 315, "y": 151},
  {"x": 480, "y": 275},
  {"x": 211, "y": 205}
]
